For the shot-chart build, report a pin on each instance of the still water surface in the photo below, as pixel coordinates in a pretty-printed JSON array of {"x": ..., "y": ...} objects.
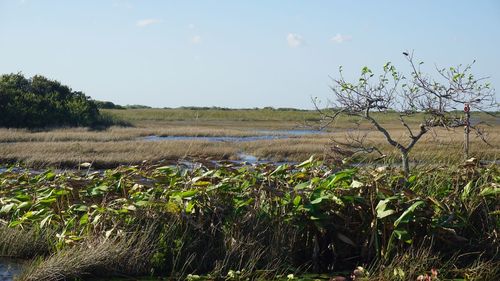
[
  {"x": 9, "y": 268},
  {"x": 265, "y": 135}
]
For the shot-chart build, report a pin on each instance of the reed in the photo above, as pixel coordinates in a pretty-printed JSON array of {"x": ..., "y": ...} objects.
[
  {"x": 124, "y": 255},
  {"x": 24, "y": 243}
]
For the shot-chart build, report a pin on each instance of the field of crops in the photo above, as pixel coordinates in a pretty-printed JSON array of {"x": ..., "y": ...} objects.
[{"x": 306, "y": 221}]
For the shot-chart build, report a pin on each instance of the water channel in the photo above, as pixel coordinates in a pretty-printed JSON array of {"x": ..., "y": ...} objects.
[
  {"x": 263, "y": 135},
  {"x": 10, "y": 268}
]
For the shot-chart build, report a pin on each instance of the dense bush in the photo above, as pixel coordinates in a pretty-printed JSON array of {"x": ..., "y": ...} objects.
[
  {"x": 39, "y": 102},
  {"x": 107, "y": 105}
]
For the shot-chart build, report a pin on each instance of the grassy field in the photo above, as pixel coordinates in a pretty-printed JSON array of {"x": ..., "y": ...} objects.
[{"x": 69, "y": 147}]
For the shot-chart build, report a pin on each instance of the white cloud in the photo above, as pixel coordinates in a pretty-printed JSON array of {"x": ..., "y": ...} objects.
[
  {"x": 339, "y": 38},
  {"x": 294, "y": 40},
  {"x": 146, "y": 22},
  {"x": 191, "y": 26},
  {"x": 196, "y": 39}
]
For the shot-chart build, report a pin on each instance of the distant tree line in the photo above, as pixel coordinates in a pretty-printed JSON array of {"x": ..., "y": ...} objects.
[
  {"x": 227, "y": 108},
  {"x": 111, "y": 105},
  {"x": 39, "y": 102}
]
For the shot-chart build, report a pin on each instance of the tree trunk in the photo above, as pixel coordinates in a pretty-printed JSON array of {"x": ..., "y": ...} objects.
[{"x": 405, "y": 162}]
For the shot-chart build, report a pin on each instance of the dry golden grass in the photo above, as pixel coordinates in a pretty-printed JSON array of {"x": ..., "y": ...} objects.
[
  {"x": 113, "y": 134},
  {"x": 123, "y": 145},
  {"x": 107, "y": 154},
  {"x": 440, "y": 146}
]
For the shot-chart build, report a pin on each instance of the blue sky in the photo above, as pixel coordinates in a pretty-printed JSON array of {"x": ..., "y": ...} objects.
[{"x": 237, "y": 53}]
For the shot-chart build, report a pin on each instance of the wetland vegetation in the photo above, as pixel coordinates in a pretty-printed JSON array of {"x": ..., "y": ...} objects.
[
  {"x": 168, "y": 193},
  {"x": 156, "y": 212},
  {"x": 253, "y": 222},
  {"x": 68, "y": 147}
]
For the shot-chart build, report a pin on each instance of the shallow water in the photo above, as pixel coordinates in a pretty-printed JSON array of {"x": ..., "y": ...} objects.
[
  {"x": 251, "y": 159},
  {"x": 214, "y": 139},
  {"x": 266, "y": 135},
  {"x": 9, "y": 268}
]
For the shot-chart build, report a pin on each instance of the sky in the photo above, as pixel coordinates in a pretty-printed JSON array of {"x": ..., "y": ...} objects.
[{"x": 238, "y": 54}]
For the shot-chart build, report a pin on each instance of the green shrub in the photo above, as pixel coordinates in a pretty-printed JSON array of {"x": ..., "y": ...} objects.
[{"x": 39, "y": 102}]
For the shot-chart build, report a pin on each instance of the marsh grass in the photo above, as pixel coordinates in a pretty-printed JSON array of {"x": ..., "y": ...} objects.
[
  {"x": 445, "y": 149},
  {"x": 111, "y": 154},
  {"x": 479, "y": 270},
  {"x": 442, "y": 146},
  {"x": 422, "y": 260},
  {"x": 407, "y": 265},
  {"x": 134, "y": 115},
  {"x": 118, "y": 133},
  {"x": 123, "y": 145},
  {"x": 180, "y": 114},
  {"x": 24, "y": 243},
  {"x": 128, "y": 254}
]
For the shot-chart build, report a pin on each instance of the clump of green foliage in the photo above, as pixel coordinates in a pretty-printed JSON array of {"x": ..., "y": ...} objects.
[
  {"x": 39, "y": 102},
  {"x": 260, "y": 221},
  {"x": 107, "y": 105}
]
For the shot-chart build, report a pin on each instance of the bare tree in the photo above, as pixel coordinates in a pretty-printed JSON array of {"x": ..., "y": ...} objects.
[{"x": 438, "y": 100}]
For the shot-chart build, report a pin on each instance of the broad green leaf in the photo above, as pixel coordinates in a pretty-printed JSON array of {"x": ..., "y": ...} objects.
[
  {"x": 279, "y": 169},
  {"x": 61, "y": 192},
  {"x": 96, "y": 219},
  {"x": 23, "y": 197},
  {"x": 382, "y": 210},
  {"x": 186, "y": 194},
  {"x": 403, "y": 235},
  {"x": 50, "y": 175},
  {"x": 141, "y": 203},
  {"x": 490, "y": 191},
  {"x": 412, "y": 179},
  {"x": 47, "y": 201},
  {"x": 408, "y": 212},
  {"x": 202, "y": 183},
  {"x": 240, "y": 203},
  {"x": 301, "y": 185},
  {"x": 6, "y": 208},
  {"x": 98, "y": 190},
  {"x": 15, "y": 223},
  {"x": 399, "y": 273},
  {"x": 357, "y": 184},
  {"x": 466, "y": 191},
  {"x": 45, "y": 220},
  {"x": 307, "y": 163},
  {"x": 317, "y": 200},
  {"x": 164, "y": 169},
  {"x": 296, "y": 200},
  {"x": 24, "y": 205},
  {"x": 385, "y": 213},
  {"x": 190, "y": 207},
  {"x": 84, "y": 219},
  {"x": 130, "y": 207},
  {"x": 342, "y": 175},
  {"x": 81, "y": 208}
]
